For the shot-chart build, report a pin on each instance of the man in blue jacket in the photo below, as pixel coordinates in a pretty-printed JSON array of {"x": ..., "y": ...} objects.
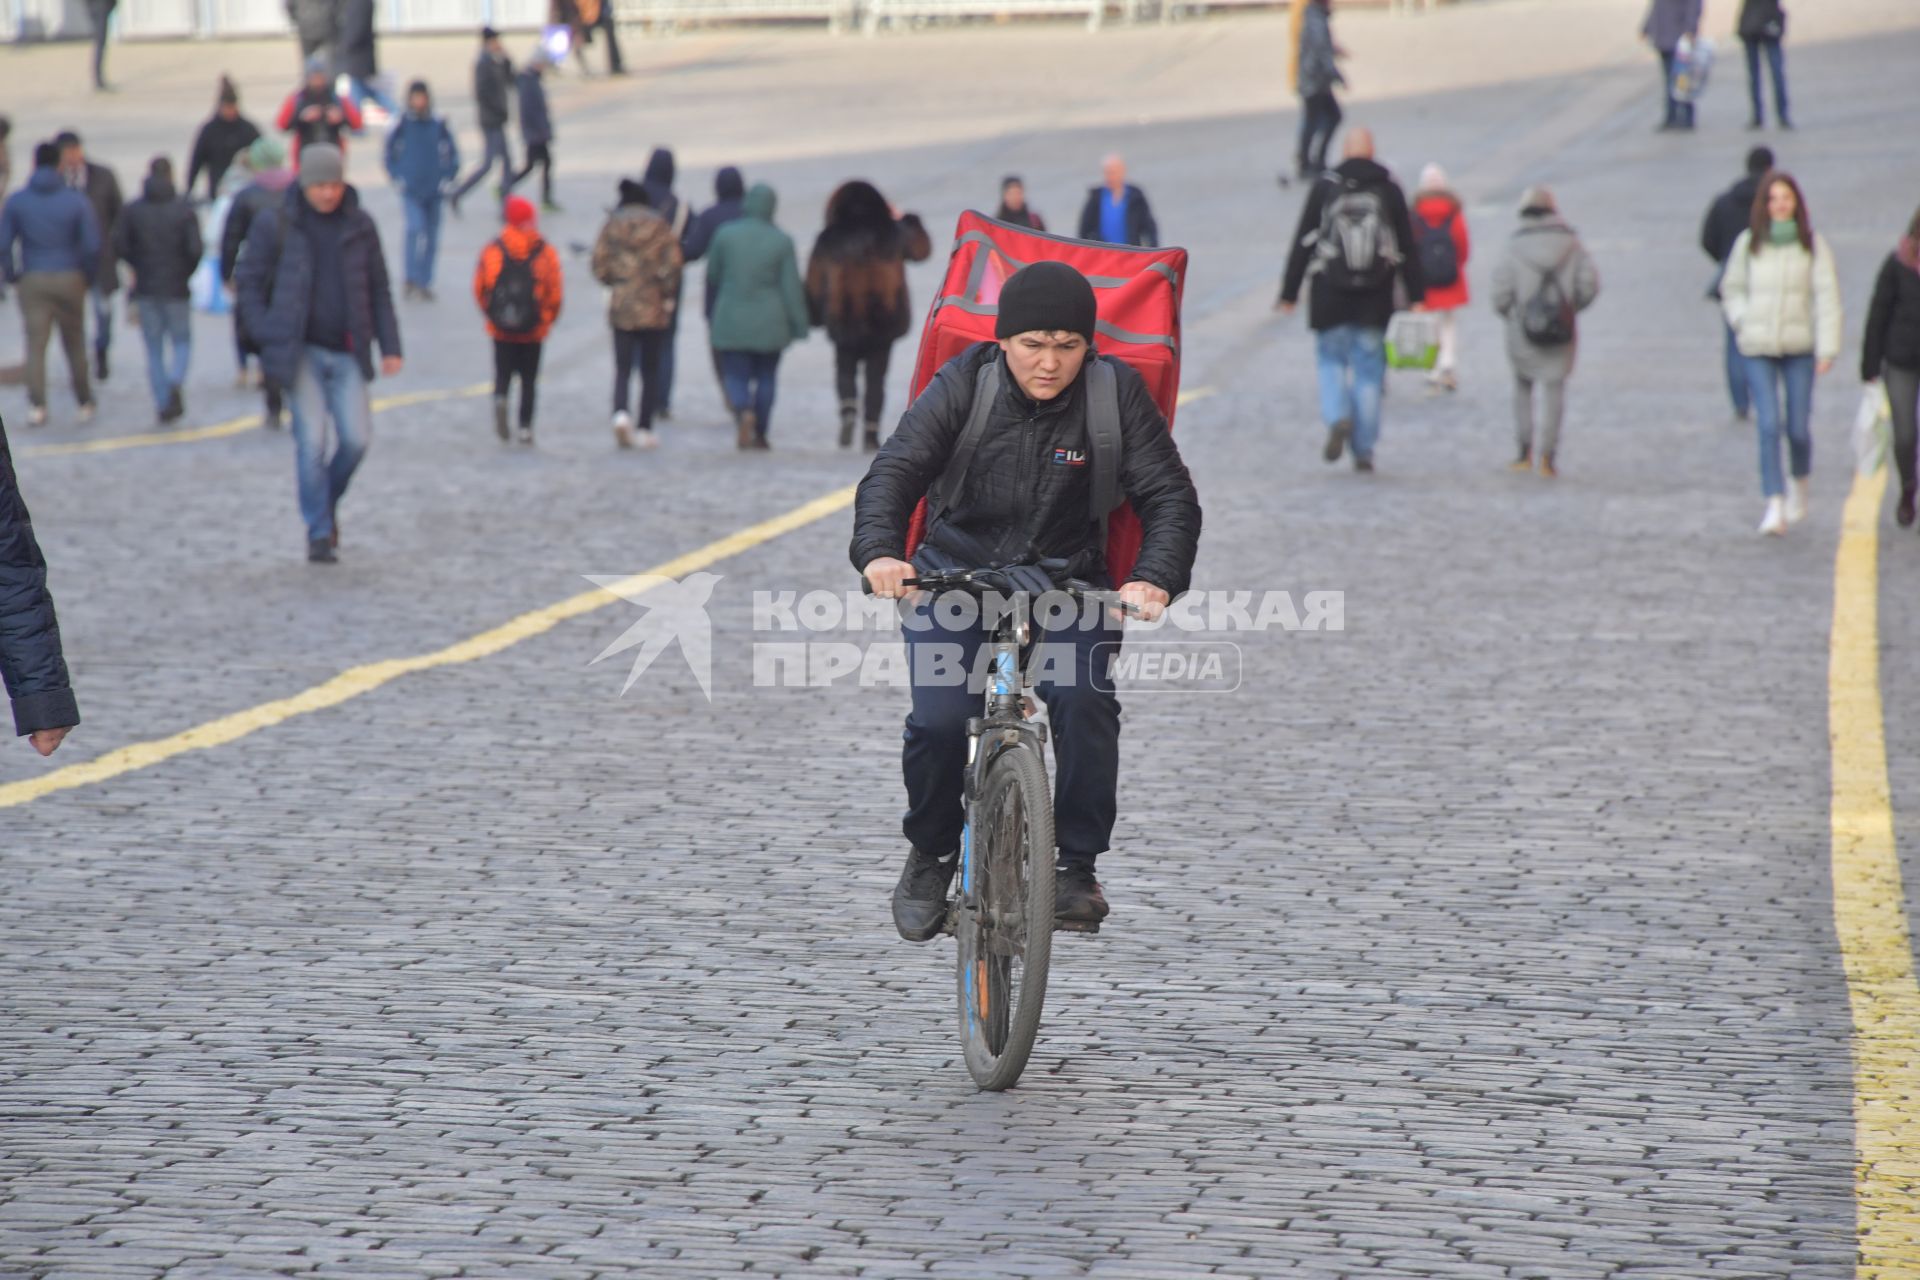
[
  {"x": 422, "y": 159},
  {"x": 1117, "y": 211},
  {"x": 59, "y": 249},
  {"x": 312, "y": 293},
  {"x": 31, "y": 665}
]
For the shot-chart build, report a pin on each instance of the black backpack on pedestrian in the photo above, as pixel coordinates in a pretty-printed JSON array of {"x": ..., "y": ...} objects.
[
  {"x": 1546, "y": 318},
  {"x": 1354, "y": 247},
  {"x": 514, "y": 304},
  {"x": 1439, "y": 256}
]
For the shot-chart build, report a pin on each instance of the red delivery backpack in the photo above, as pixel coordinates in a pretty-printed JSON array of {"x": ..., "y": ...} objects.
[{"x": 1138, "y": 294}]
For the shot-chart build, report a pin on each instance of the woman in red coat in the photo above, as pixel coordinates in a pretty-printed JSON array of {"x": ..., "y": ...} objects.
[{"x": 1440, "y": 238}]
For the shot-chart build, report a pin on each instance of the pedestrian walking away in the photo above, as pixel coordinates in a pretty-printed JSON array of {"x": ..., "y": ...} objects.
[
  {"x": 356, "y": 57},
  {"x": 857, "y": 290},
  {"x": 518, "y": 285},
  {"x": 1015, "y": 505},
  {"x": 492, "y": 90},
  {"x": 1781, "y": 294},
  {"x": 317, "y": 24},
  {"x": 222, "y": 139},
  {"x": 1443, "y": 245},
  {"x": 729, "y": 192},
  {"x": 32, "y": 665},
  {"x": 1669, "y": 22},
  {"x": 536, "y": 127},
  {"x": 1014, "y": 207},
  {"x": 1544, "y": 281},
  {"x": 1731, "y": 213},
  {"x": 1117, "y": 212},
  {"x": 658, "y": 181},
  {"x": 159, "y": 239},
  {"x": 1763, "y": 28},
  {"x": 422, "y": 159},
  {"x": 638, "y": 258},
  {"x": 1890, "y": 349},
  {"x": 759, "y": 310},
  {"x": 313, "y": 294},
  {"x": 316, "y": 113},
  {"x": 596, "y": 17},
  {"x": 1316, "y": 74},
  {"x": 100, "y": 18},
  {"x": 102, "y": 191},
  {"x": 49, "y": 245},
  {"x": 1354, "y": 244},
  {"x": 266, "y": 163}
]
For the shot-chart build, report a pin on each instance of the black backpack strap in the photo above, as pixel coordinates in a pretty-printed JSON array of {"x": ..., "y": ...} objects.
[
  {"x": 946, "y": 490},
  {"x": 1104, "y": 440}
]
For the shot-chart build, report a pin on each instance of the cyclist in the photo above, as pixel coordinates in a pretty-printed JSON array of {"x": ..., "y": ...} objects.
[{"x": 1024, "y": 498}]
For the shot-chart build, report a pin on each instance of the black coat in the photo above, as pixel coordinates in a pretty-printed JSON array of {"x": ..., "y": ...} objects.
[
  {"x": 31, "y": 664},
  {"x": 493, "y": 90},
  {"x": 1893, "y": 320},
  {"x": 159, "y": 238},
  {"x": 102, "y": 191},
  {"x": 1730, "y": 213},
  {"x": 1762, "y": 20},
  {"x": 1142, "y": 231},
  {"x": 1370, "y": 308},
  {"x": 256, "y": 198},
  {"x": 214, "y": 148},
  {"x": 273, "y": 286},
  {"x": 1018, "y": 503},
  {"x": 354, "y": 54}
]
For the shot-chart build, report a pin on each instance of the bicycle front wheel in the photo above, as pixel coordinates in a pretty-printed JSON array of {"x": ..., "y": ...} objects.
[{"x": 1005, "y": 924}]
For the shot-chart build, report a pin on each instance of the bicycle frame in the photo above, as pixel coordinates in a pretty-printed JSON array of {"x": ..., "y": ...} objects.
[{"x": 1003, "y": 727}]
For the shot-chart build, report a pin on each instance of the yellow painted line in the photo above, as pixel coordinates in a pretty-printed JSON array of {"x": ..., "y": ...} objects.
[
  {"x": 355, "y": 681},
  {"x": 231, "y": 427},
  {"x": 1188, "y": 397},
  {"x": 1870, "y": 911}
]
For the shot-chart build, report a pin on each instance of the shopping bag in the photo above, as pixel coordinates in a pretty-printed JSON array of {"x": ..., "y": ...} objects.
[
  {"x": 1692, "y": 67},
  {"x": 1872, "y": 423},
  {"x": 1413, "y": 340}
]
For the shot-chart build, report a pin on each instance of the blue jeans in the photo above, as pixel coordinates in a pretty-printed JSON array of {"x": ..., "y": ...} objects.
[
  {"x": 750, "y": 377},
  {"x": 421, "y": 243},
  {"x": 497, "y": 153},
  {"x": 1353, "y": 372},
  {"x": 163, "y": 321},
  {"x": 1084, "y": 712},
  {"x": 1737, "y": 375},
  {"x": 1765, "y": 374},
  {"x": 1777, "y": 64},
  {"x": 365, "y": 91},
  {"x": 328, "y": 385}
]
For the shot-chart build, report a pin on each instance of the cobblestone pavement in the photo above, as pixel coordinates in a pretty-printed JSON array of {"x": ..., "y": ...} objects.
[{"x": 1488, "y": 937}]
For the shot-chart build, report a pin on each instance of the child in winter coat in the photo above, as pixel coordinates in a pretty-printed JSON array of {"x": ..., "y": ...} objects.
[
  {"x": 1440, "y": 238},
  {"x": 518, "y": 286}
]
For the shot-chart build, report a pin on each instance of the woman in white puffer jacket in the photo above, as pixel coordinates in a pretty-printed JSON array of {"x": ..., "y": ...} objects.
[{"x": 1782, "y": 297}]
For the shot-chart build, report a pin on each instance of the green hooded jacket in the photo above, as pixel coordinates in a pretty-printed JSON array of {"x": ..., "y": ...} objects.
[{"x": 759, "y": 304}]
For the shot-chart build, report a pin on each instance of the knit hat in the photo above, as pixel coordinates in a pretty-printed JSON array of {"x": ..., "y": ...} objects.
[
  {"x": 317, "y": 65},
  {"x": 1538, "y": 199},
  {"x": 488, "y": 33},
  {"x": 265, "y": 153},
  {"x": 1045, "y": 297},
  {"x": 520, "y": 212},
  {"x": 321, "y": 162}
]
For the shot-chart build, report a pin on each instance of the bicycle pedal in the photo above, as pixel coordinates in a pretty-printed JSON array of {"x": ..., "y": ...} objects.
[{"x": 1076, "y": 926}]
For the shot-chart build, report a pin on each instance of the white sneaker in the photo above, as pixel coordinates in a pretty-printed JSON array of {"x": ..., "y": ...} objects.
[
  {"x": 623, "y": 429},
  {"x": 646, "y": 438},
  {"x": 1796, "y": 500},
  {"x": 85, "y": 412},
  {"x": 1775, "y": 521},
  {"x": 37, "y": 416}
]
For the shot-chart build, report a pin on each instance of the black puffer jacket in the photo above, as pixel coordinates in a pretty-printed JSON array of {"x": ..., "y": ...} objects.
[
  {"x": 273, "y": 285},
  {"x": 31, "y": 664},
  {"x": 1730, "y": 213},
  {"x": 1025, "y": 498},
  {"x": 1893, "y": 319},
  {"x": 159, "y": 238}
]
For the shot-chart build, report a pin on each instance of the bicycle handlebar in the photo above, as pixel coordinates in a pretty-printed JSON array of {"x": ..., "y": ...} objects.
[{"x": 976, "y": 580}]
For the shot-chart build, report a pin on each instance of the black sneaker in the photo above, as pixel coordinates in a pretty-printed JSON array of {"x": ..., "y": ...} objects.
[
  {"x": 920, "y": 898},
  {"x": 1077, "y": 897},
  {"x": 320, "y": 551},
  {"x": 1363, "y": 465},
  {"x": 1336, "y": 440},
  {"x": 100, "y": 363}
]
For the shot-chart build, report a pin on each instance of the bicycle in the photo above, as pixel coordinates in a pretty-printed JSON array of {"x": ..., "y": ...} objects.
[{"x": 1002, "y": 918}]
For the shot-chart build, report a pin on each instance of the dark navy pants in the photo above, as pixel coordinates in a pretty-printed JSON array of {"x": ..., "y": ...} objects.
[{"x": 1081, "y": 707}]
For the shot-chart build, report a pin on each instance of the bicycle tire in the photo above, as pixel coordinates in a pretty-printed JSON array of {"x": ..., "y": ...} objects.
[{"x": 1005, "y": 928}]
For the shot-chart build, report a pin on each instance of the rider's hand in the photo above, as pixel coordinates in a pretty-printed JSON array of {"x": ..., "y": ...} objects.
[
  {"x": 886, "y": 576},
  {"x": 1149, "y": 599}
]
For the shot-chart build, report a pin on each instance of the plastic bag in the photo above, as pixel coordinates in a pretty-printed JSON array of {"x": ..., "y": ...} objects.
[
  {"x": 1872, "y": 425},
  {"x": 1413, "y": 340},
  {"x": 1692, "y": 68}
]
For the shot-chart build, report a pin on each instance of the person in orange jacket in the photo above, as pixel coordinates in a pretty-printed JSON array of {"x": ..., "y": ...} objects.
[
  {"x": 519, "y": 287},
  {"x": 1440, "y": 238}
]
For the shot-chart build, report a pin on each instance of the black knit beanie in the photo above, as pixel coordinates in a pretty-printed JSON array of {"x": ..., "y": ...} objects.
[{"x": 1046, "y": 296}]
